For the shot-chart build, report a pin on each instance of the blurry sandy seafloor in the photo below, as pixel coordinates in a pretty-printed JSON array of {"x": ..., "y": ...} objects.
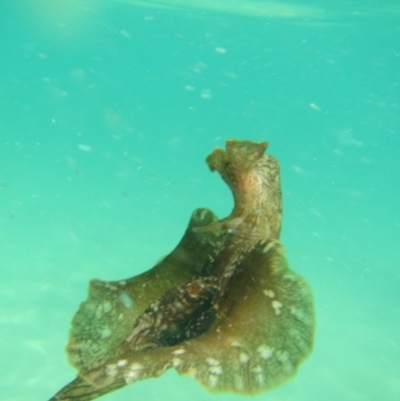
[{"x": 108, "y": 110}]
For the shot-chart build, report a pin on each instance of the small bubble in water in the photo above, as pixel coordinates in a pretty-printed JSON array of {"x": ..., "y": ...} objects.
[
  {"x": 84, "y": 148},
  {"x": 220, "y": 50}
]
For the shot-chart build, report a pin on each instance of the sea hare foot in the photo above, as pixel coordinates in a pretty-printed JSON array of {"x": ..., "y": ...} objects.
[{"x": 223, "y": 307}]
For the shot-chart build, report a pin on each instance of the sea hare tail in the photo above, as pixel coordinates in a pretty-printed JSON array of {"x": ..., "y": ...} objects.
[{"x": 81, "y": 390}]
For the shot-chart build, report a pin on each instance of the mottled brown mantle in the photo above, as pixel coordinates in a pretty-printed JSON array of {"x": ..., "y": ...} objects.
[{"x": 223, "y": 307}]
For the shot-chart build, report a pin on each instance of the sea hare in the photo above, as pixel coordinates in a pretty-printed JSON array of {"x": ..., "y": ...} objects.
[{"x": 223, "y": 307}]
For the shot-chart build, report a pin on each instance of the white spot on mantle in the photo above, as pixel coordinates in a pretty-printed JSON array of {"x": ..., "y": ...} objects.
[
  {"x": 126, "y": 299},
  {"x": 212, "y": 362},
  {"x": 277, "y": 306},
  {"x": 265, "y": 351},
  {"x": 105, "y": 333},
  {"x": 244, "y": 358},
  {"x": 121, "y": 363},
  {"x": 179, "y": 351},
  {"x": 213, "y": 380},
  {"x": 269, "y": 293},
  {"x": 216, "y": 370}
]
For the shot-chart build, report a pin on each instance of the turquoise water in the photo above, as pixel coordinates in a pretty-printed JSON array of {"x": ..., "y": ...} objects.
[{"x": 108, "y": 109}]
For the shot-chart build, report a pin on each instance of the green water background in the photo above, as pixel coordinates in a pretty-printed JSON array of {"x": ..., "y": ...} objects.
[{"x": 108, "y": 110}]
